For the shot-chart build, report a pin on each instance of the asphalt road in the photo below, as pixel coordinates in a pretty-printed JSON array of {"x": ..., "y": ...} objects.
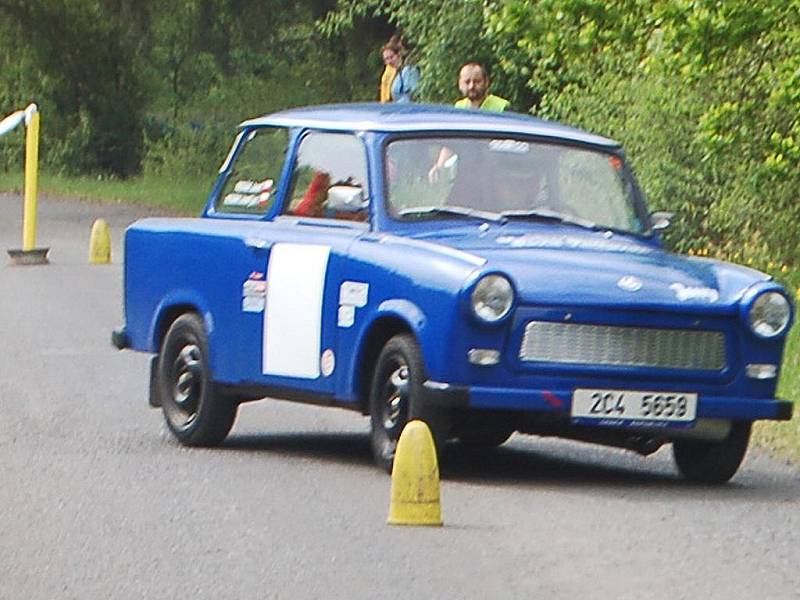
[{"x": 97, "y": 501}]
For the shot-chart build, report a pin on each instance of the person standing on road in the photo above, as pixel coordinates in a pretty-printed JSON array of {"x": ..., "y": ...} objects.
[
  {"x": 473, "y": 83},
  {"x": 399, "y": 81}
]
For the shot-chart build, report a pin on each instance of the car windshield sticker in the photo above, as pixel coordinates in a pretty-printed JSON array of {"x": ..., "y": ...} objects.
[
  {"x": 684, "y": 293},
  {"x": 534, "y": 240},
  {"x": 353, "y": 293},
  {"x": 327, "y": 362},
  {"x": 347, "y": 316},
  {"x": 293, "y": 316},
  {"x": 249, "y": 193},
  {"x": 254, "y": 295},
  {"x": 513, "y": 146}
]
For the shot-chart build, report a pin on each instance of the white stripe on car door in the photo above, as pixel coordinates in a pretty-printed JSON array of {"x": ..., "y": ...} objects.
[{"x": 293, "y": 316}]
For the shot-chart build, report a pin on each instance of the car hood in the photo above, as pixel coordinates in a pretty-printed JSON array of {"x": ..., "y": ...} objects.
[{"x": 567, "y": 266}]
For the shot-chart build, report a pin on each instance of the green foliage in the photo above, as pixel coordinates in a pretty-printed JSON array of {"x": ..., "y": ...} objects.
[
  {"x": 81, "y": 69},
  {"x": 128, "y": 85}
]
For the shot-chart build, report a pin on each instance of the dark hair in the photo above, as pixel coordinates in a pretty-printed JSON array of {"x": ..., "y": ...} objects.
[{"x": 472, "y": 63}]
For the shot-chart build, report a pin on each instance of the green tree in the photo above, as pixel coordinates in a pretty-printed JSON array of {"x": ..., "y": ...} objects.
[
  {"x": 703, "y": 94},
  {"x": 81, "y": 67}
]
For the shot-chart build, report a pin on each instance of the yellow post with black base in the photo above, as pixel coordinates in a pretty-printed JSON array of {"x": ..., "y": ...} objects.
[
  {"x": 30, "y": 254},
  {"x": 415, "y": 479}
]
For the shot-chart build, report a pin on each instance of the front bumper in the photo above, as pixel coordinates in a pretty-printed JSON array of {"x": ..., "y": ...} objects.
[{"x": 560, "y": 401}]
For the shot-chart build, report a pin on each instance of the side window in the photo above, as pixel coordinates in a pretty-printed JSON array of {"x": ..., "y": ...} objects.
[
  {"x": 254, "y": 179},
  {"x": 330, "y": 178}
]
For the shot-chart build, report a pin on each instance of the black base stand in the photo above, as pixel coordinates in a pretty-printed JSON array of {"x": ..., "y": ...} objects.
[{"x": 37, "y": 256}]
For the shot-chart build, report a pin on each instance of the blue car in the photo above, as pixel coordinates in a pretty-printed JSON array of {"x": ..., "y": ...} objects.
[{"x": 486, "y": 273}]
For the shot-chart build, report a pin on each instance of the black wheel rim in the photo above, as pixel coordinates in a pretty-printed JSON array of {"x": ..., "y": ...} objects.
[
  {"x": 395, "y": 395},
  {"x": 186, "y": 386}
]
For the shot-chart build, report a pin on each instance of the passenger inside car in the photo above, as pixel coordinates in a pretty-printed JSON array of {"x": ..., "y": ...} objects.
[{"x": 313, "y": 202}]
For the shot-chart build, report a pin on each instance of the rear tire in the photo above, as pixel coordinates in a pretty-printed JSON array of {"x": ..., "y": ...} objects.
[
  {"x": 396, "y": 398},
  {"x": 712, "y": 462},
  {"x": 195, "y": 414}
]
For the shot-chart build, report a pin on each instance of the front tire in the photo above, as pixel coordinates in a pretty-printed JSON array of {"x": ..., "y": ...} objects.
[
  {"x": 712, "y": 462},
  {"x": 195, "y": 414},
  {"x": 396, "y": 398}
]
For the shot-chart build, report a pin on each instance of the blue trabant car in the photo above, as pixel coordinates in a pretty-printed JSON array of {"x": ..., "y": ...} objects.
[{"x": 486, "y": 273}]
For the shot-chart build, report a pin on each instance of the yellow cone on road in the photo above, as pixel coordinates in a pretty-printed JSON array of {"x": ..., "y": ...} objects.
[
  {"x": 100, "y": 244},
  {"x": 415, "y": 479}
]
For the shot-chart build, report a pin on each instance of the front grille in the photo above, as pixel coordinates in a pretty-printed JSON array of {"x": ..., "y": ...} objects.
[{"x": 545, "y": 341}]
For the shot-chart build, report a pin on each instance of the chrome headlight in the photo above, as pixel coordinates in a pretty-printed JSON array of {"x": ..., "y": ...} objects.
[
  {"x": 492, "y": 298},
  {"x": 769, "y": 315}
]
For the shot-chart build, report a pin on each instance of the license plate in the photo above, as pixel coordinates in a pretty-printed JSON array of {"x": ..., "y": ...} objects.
[{"x": 625, "y": 408}]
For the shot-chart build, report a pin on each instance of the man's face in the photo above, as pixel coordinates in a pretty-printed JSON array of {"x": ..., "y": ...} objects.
[{"x": 472, "y": 83}]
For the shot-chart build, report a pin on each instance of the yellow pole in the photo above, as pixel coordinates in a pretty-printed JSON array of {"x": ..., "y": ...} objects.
[{"x": 31, "y": 181}]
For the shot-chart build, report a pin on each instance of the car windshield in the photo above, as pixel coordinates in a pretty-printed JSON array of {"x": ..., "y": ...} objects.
[{"x": 505, "y": 178}]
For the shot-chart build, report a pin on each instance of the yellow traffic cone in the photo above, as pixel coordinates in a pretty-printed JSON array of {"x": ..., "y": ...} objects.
[
  {"x": 415, "y": 479},
  {"x": 100, "y": 244}
]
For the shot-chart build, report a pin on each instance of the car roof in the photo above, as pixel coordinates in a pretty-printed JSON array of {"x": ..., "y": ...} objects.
[{"x": 392, "y": 118}]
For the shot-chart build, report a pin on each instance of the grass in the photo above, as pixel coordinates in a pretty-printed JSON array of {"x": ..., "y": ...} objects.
[
  {"x": 188, "y": 196},
  {"x": 181, "y": 195}
]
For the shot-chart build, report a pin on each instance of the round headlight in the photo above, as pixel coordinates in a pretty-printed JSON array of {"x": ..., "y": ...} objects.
[
  {"x": 492, "y": 298},
  {"x": 769, "y": 315}
]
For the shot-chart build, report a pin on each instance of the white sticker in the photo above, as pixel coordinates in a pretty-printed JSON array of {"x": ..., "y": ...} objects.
[
  {"x": 347, "y": 316},
  {"x": 353, "y": 293},
  {"x": 514, "y": 146},
  {"x": 293, "y": 319},
  {"x": 253, "y": 304},
  {"x": 684, "y": 292},
  {"x": 327, "y": 362},
  {"x": 254, "y": 288}
]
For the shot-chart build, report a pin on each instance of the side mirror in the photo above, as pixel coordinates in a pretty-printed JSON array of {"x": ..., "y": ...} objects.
[
  {"x": 345, "y": 198},
  {"x": 661, "y": 221}
]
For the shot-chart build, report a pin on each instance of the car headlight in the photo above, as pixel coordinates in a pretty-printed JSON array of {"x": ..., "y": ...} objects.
[
  {"x": 492, "y": 298},
  {"x": 769, "y": 315}
]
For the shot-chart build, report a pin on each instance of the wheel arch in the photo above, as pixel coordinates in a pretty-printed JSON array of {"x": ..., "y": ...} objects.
[
  {"x": 173, "y": 305},
  {"x": 380, "y": 331},
  {"x": 166, "y": 317}
]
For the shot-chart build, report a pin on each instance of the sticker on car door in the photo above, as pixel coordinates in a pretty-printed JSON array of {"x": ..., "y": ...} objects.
[{"x": 293, "y": 317}]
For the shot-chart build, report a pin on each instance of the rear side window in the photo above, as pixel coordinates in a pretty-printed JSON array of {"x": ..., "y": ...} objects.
[{"x": 253, "y": 182}]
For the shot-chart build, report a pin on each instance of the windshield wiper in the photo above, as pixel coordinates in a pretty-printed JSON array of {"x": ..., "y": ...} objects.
[
  {"x": 546, "y": 214},
  {"x": 459, "y": 211}
]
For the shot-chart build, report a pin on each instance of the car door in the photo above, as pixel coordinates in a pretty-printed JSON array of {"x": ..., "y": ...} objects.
[{"x": 290, "y": 267}]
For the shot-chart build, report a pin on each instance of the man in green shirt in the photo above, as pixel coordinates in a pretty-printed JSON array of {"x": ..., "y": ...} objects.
[{"x": 473, "y": 82}]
